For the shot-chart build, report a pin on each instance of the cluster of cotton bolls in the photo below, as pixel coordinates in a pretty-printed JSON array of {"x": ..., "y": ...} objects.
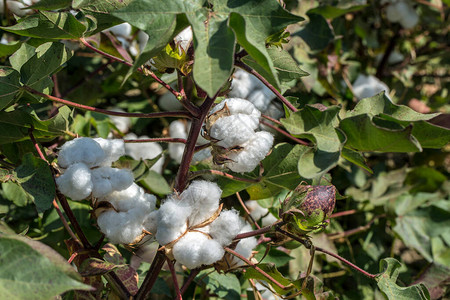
[
  {"x": 246, "y": 86},
  {"x": 86, "y": 171},
  {"x": 368, "y": 86},
  {"x": 191, "y": 228},
  {"x": 401, "y": 11},
  {"x": 231, "y": 126},
  {"x": 17, "y": 7}
]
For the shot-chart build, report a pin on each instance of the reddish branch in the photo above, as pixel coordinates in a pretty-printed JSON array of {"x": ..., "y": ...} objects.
[
  {"x": 246, "y": 210},
  {"x": 174, "y": 279},
  {"x": 223, "y": 174},
  {"x": 188, "y": 282},
  {"x": 285, "y": 133},
  {"x": 162, "y": 140}
]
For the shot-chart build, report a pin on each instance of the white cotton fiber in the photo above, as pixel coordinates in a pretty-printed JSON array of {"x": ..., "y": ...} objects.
[
  {"x": 84, "y": 150},
  {"x": 238, "y": 106},
  {"x": 234, "y": 130},
  {"x": 258, "y": 212},
  {"x": 16, "y": 8},
  {"x": 106, "y": 180},
  {"x": 122, "y": 123},
  {"x": 113, "y": 148},
  {"x": 225, "y": 227},
  {"x": 254, "y": 151},
  {"x": 203, "y": 197},
  {"x": 368, "y": 86},
  {"x": 402, "y": 12},
  {"x": 151, "y": 222},
  {"x": 245, "y": 246},
  {"x": 139, "y": 151},
  {"x": 184, "y": 38},
  {"x": 172, "y": 218},
  {"x": 177, "y": 129},
  {"x": 242, "y": 84},
  {"x": 261, "y": 98},
  {"x": 195, "y": 249},
  {"x": 123, "y": 30},
  {"x": 132, "y": 197},
  {"x": 75, "y": 182},
  {"x": 120, "y": 227}
]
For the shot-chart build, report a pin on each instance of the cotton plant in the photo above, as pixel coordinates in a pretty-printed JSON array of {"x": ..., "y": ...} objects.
[
  {"x": 231, "y": 126},
  {"x": 257, "y": 212},
  {"x": 193, "y": 228},
  {"x": 401, "y": 11},
  {"x": 367, "y": 86},
  {"x": 147, "y": 150}
]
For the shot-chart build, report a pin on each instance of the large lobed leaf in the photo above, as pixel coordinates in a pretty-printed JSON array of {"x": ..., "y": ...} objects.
[{"x": 31, "y": 268}]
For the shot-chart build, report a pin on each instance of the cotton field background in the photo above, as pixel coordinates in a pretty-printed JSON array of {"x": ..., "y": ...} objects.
[{"x": 212, "y": 149}]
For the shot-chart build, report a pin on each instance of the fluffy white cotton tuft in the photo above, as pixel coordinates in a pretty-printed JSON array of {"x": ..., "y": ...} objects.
[
  {"x": 234, "y": 130},
  {"x": 132, "y": 197},
  {"x": 113, "y": 148},
  {"x": 225, "y": 227},
  {"x": 177, "y": 129},
  {"x": 203, "y": 196},
  {"x": 84, "y": 150},
  {"x": 195, "y": 249},
  {"x": 76, "y": 182},
  {"x": 172, "y": 218},
  {"x": 238, "y": 106},
  {"x": 368, "y": 86},
  {"x": 261, "y": 98},
  {"x": 259, "y": 212},
  {"x": 403, "y": 12},
  {"x": 245, "y": 246},
  {"x": 120, "y": 227},
  {"x": 122, "y": 123},
  {"x": 106, "y": 180},
  {"x": 254, "y": 151}
]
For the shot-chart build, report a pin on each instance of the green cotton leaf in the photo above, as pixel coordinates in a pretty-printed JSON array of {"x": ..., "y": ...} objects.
[
  {"x": 288, "y": 70},
  {"x": 277, "y": 257},
  {"x": 417, "y": 228},
  {"x": 214, "y": 44},
  {"x": 156, "y": 183},
  {"x": 51, "y": 4},
  {"x": 387, "y": 283},
  {"x": 14, "y": 125},
  {"x": 318, "y": 126},
  {"x": 15, "y": 193},
  {"x": 334, "y": 11},
  {"x": 280, "y": 172},
  {"x": 9, "y": 86},
  {"x": 435, "y": 277},
  {"x": 270, "y": 269},
  {"x": 317, "y": 33},
  {"x": 49, "y": 25},
  {"x": 32, "y": 268},
  {"x": 21, "y": 56},
  {"x": 10, "y": 48},
  {"x": 364, "y": 135},
  {"x": 48, "y": 58},
  {"x": 424, "y": 179},
  {"x": 356, "y": 158},
  {"x": 225, "y": 286},
  {"x": 36, "y": 179}
]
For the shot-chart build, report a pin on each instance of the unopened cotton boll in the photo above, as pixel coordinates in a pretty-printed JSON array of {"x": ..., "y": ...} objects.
[
  {"x": 139, "y": 151},
  {"x": 225, "y": 227},
  {"x": 203, "y": 197},
  {"x": 113, "y": 148},
  {"x": 84, "y": 150},
  {"x": 120, "y": 227},
  {"x": 76, "y": 182},
  {"x": 233, "y": 130},
  {"x": 184, "y": 38},
  {"x": 106, "y": 180},
  {"x": 196, "y": 249},
  {"x": 368, "y": 86},
  {"x": 171, "y": 220},
  {"x": 254, "y": 151}
]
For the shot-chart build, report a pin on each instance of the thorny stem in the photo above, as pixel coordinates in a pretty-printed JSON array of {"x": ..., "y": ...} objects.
[
  {"x": 159, "y": 140},
  {"x": 144, "y": 69},
  {"x": 152, "y": 275},
  {"x": 243, "y": 66},
  {"x": 255, "y": 267},
  {"x": 174, "y": 279},
  {"x": 246, "y": 210},
  {"x": 340, "y": 258},
  {"x": 179, "y": 114},
  {"x": 188, "y": 282},
  {"x": 285, "y": 133},
  {"x": 223, "y": 174}
]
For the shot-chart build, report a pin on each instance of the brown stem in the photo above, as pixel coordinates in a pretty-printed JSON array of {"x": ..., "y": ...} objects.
[
  {"x": 223, "y": 174},
  {"x": 151, "y": 277},
  {"x": 255, "y": 267},
  {"x": 387, "y": 53},
  {"x": 194, "y": 110},
  {"x": 144, "y": 70},
  {"x": 259, "y": 231},
  {"x": 246, "y": 210},
  {"x": 174, "y": 279},
  {"x": 271, "y": 119},
  {"x": 64, "y": 221},
  {"x": 341, "y": 235},
  {"x": 285, "y": 133},
  {"x": 179, "y": 114},
  {"x": 243, "y": 66},
  {"x": 163, "y": 140},
  {"x": 188, "y": 282},
  {"x": 343, "y": 213}
]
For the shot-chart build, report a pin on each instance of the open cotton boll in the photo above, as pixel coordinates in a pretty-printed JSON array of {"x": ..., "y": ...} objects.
[
  {"x": 132, "y": 197},
  {"x": 75, "y": 182},
  {"x": 368, "y": 86},
  {"x": 184, "y": 38},
  {"x": 177, "y": 129},
  {"x": 139, "y": 151},
  {"x": 225, "y": 227},
  {"x": 245, "y": 246},
  {"x": 122, "y": 123},
  {"x": 203, "y": 197},
  {"x": 120, "y": 227},
  {"x": 151, "y": 222},
  {"x": 195, "y": 249},
  {"x": 409, "y": 15},
  {"x": 238, "y": 106},
  {"x": 233, "y": 130},
  {"x": 123, "y": 30},
  {"x": 241, "y": 85},
  {"x": 106, "y": 180},
  {"x": 113, "y": 148},
  {"x": 84, "y": 150},
  {"x": 254, "y": 151},
  {"x": 171, "y": 219},
  {"x": 261, "y": 98}
]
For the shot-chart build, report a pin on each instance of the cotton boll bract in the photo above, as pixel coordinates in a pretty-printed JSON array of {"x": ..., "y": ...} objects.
[
  {"x": 254, "y": 151},
  {"x": 84, "y": 150},
  {"x": 76, "y": 182},
  {"x": 195, "y": 249}
]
